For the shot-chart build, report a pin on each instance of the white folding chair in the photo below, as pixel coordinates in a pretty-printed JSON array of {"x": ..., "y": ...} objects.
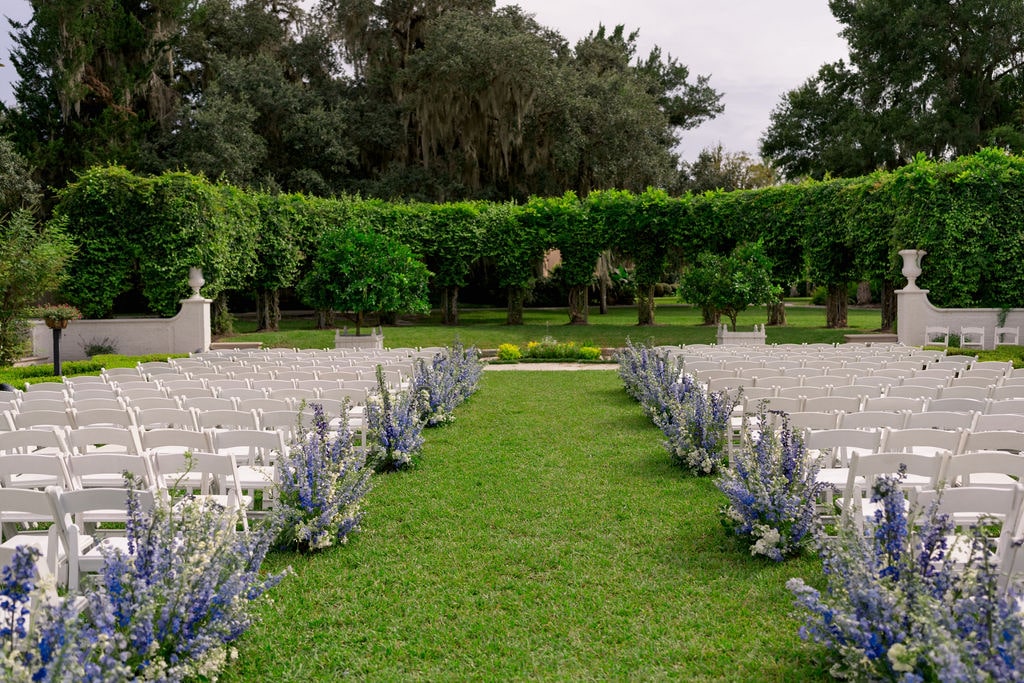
[
  {"x": 996, "y": 468},
  {"x": 166, "y": 418},
  {"x": 994, "y": 422},
  {"x": 893, "y": 403},
  {"x": 77, "y": 512},
  {"x": 118, "y": 417},
  {"x": 924, "y": 441},
  {"x": 940, "y": 420},
  {"x": 972, "y": 337},
  {"x": 957, "y": 405},
  {"x": 201, "y": 403},
  {"x": 256, "y": 453},
  {"x": 996, "y": 440},
  {"x": 873, "y": 420},
  {"x": 1007, "y": 335},
  {"x": 216, "y": 474},
  {"x": 20, "y": 507},
  {"x": 921, "y": 471},
  {"x": 222, "y": 420},
  {"x": 834, "y": 404},
  {"x": 966, "y": 391},
  {"x": 936, "y": 335}
]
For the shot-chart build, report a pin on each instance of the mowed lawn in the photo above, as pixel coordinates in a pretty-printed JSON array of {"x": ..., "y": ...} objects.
[
  {"x": 544, "y": 536},
  {"x": 486, "y": 328}
]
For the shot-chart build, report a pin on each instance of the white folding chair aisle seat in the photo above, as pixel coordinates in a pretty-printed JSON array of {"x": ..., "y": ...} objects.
[
  {"x": 256, "y": 453},
  {"x": 20, "y": 507},
  {"x": 921, "y": 471},
  {"x": 77, "y": 512},
  {"x": 217, "y": 475}
]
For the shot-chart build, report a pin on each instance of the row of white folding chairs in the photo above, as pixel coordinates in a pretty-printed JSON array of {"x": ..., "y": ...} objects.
[
  {"x": 902, "y": 363},
  {"x": 785, "y": 350},
  {"x": 228, "y": 387},
  {"x": 99, "y": 457},
  {"x": 913, "y": 392},
  {"x": 874, "y": 420},
  {"x": 83, "y": 525},
  {"x": 263, "y": 413},
  {"x": 996, "y": 470},
  {"x": 934, "y": 375}
]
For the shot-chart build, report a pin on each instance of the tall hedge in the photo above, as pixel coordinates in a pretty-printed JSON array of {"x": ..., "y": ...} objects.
[{"x": 143, "y": 233}]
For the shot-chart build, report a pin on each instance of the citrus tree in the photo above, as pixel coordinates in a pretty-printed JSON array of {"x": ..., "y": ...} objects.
[
  {"x": 730, "y": 284},
  {"x": 361, "y": 271}
]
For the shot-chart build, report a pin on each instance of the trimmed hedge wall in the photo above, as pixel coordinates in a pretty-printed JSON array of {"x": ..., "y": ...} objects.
[{"x": 968, "y": 214}]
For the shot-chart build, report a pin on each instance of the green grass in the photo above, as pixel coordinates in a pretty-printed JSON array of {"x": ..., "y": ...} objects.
[
  {"x": 544, "y": 536},
  {"x": 486, "y": 328}
]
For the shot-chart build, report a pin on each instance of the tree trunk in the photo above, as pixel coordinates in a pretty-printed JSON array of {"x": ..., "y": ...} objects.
[
  {"x": 863, "y": 293},
  {"x": 450, "y": 306},
  {"x": 268, "y": 310},
  {"x": 516, "y": 297},
  {"x": 777, "y": 313},
  {"x": 604, "y": 280},
  {"x": 578, "y": 308},
  {"x": 323, "y": 319},
  {"x": 835, "y": 306},
  {"x": 711, "y": 315},
  {"x": 645, "y": 304},
  {"x": 223, "y": 321},
  {"x": 888, "y": 305}
]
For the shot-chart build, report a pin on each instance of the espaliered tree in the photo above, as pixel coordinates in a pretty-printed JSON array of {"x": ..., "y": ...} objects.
[
  {"x": 830, "y": 253},
  {"x": 515, "y": 244},
  {"x": 642, "y": 226},
  {"x": 279, "y": 254},
  {"x": 451, "y": 248},
  {"x": 580, "y": 243}
]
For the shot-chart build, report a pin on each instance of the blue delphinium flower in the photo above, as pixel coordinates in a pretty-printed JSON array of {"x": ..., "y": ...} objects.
[
  {"x": 394, "y": 425},
  {"x": 897, "y": 607},
  {"x": 322, "y": 480},
  {"x": 695, "y": 421},
  {"x": 446, "y": 382},
  {"x": 772, "y": 489}
]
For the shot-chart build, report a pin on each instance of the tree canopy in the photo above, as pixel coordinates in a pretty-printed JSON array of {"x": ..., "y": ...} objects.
[
  {"x": 433, "y": 101},
  {"x": 938, "y": 77}
]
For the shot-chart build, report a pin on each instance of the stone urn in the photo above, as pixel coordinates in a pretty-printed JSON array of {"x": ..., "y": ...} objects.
[
  {"x": 912, "y": 266},
  {"x": 196, "y": 281}
]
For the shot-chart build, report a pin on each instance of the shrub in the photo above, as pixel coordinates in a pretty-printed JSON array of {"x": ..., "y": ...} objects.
[
  {"x": 509, "y": 352},
  {"x": 95, "y": 347},
  {"x": 771, "y": 488},
  {"x": 895, "y": 608},
  {"x": 450, "y": 378},
  {"x": 323, "y": 480},
  {"x": 395, "y": 426}
]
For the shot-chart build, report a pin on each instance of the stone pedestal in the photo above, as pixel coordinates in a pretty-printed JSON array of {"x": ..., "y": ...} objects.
[
  {"x": 755, "y": 338},
  {"x": 372, "y": 341}
]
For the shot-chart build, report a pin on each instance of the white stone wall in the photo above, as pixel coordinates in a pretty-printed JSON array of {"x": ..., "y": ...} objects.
[{"x": 187, "y": 332}]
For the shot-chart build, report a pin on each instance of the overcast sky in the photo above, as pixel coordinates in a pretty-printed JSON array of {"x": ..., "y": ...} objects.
[{"x": 753, "y": 50}]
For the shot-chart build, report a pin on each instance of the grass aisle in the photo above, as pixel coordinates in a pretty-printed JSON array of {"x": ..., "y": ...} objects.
[{"x": 545, "y": 536}]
